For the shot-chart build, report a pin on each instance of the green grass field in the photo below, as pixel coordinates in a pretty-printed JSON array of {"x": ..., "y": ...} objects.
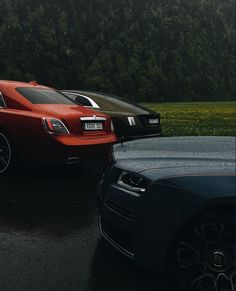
[{"x": 196, "y": 118}]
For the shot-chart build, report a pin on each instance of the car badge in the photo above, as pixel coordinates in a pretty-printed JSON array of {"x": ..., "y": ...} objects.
[{"x": 131, "y": 121}]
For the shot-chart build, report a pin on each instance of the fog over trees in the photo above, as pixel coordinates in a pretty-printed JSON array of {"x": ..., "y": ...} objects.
[{"x": 145, "y": 50}]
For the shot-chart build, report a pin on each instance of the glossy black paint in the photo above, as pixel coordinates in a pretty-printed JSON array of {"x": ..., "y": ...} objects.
[
  {"x": 186, "y": 177},
  {"x": 120, "y": 110}
]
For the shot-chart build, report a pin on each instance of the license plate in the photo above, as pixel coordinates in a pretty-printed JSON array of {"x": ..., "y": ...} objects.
[
  {"x": 93, "y": 126},
  {"x": 153, "y": 121}
]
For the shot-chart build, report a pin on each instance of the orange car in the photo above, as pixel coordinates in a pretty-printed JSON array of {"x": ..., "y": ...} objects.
[{"x": 40, "y": 124}]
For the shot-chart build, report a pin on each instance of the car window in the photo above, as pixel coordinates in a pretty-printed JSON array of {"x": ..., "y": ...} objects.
[
  {"x": 44, "y": 96},
  {"x": 118, "y": 104},
  {"x": 2, "y": 102},
  {"x": 82, "y": 99},
  {"x": 79, "y": 99},
  {"x": 70, "y": 95}
]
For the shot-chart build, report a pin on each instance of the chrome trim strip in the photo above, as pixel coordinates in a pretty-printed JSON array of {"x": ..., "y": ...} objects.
[
  {"x": 124, "y": 189},
  {"x": 113, "y": 243},
  {"x": 93, "y": 103},
  {"x": 93, "y": 118}
]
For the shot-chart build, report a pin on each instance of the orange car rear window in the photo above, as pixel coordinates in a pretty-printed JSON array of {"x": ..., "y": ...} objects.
[{"x": 44, "y": 96}]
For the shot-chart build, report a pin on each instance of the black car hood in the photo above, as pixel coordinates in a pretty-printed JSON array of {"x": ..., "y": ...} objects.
[{"x": 159, "y": 158}]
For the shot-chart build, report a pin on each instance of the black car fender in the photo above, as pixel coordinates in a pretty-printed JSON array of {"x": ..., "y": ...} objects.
[{"x": 168, "y": 205}]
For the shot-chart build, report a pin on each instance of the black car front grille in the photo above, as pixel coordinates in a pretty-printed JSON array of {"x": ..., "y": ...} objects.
[{"x": 124, "y": 239}]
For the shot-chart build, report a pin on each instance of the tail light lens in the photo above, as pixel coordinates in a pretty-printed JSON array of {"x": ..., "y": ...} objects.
[{"x": 54, "y": 126}]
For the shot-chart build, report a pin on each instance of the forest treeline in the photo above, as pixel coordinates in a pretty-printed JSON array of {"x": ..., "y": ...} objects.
[{"x": 146, "y": 50}]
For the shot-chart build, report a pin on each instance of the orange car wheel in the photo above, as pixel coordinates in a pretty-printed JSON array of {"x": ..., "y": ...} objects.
[{"x": 6, "y": 153}]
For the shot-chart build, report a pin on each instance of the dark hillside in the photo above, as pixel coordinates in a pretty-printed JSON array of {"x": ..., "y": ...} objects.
[{"x": 152, "y": 50}]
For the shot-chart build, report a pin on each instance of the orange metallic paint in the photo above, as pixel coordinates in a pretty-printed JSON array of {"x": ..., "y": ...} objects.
[{"x": 22, "y": 120}]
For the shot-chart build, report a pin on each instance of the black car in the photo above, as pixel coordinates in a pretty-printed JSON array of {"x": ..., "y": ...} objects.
[
  {"x": 129, "y": 119},
  {"x": 171, "y": 202}
]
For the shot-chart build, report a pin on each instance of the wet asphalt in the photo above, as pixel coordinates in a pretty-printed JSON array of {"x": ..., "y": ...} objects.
[{"x": 49, "y": 237}]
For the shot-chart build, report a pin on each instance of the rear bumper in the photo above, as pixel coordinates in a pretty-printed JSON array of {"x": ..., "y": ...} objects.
[
  {"x": 66, "y": 149},
  {"x": 139, "y": 129}
]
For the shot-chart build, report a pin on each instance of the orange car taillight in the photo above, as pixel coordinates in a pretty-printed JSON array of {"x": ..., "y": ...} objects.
[{"x": 54, "y": 126}]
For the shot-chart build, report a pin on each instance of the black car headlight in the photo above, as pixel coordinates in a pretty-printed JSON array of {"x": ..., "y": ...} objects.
[{"x": 133, "y": 182}]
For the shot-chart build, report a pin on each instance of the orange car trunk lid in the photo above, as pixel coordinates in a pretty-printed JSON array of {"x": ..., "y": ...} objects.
[{"x": 78, "y": 119}]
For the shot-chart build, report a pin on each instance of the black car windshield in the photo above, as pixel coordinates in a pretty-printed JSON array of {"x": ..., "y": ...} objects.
[{"x": 44, "y": 96}]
